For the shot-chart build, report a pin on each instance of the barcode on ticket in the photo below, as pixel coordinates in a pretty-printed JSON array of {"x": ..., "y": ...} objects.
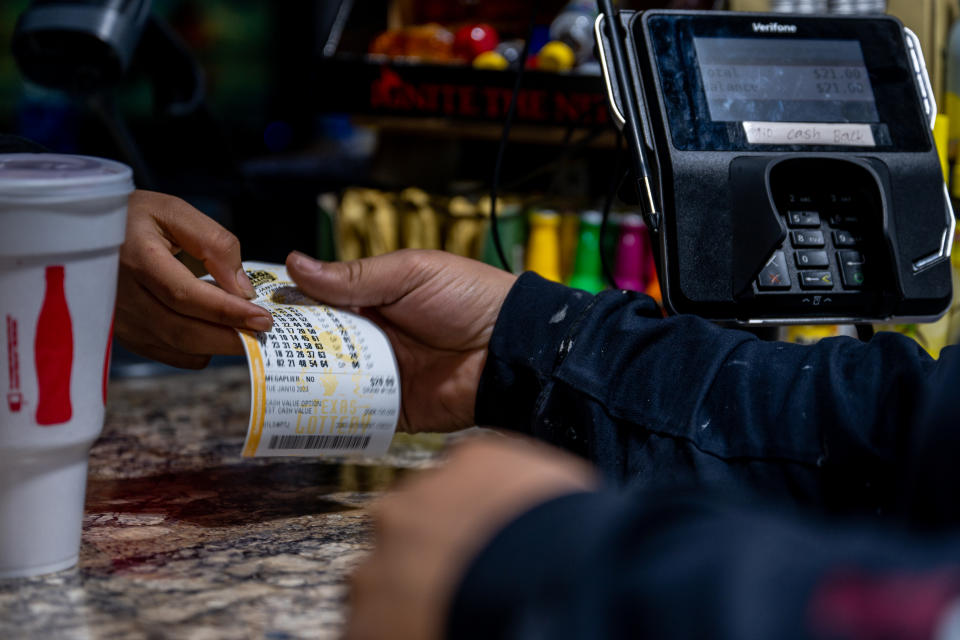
[{"x": 318, "y": 442}]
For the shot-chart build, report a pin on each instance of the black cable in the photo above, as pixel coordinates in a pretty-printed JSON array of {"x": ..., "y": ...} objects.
[
  {"x": 616, "y": 181},
  {"x": 104, "y": 106},
  {"x": 569, "y": 150},
  {"x": 631, "y": 115},
  {"x": 864, "y": 331},
  {"x": 495, "y": 183}
]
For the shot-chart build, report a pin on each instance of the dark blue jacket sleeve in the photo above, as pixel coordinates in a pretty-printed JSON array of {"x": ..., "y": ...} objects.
[
  {"x": 785, "y": 437},
  {"x": 679, "y": 401}
]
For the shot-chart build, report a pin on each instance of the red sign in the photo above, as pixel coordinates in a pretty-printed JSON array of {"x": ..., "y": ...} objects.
[{"x": 390, "y": 92}]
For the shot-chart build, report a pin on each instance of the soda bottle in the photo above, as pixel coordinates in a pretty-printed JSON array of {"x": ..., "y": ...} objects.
[
  {"x": 631, "y": 259},
  {"x": 569, "y": 232},
  {"x": 543, "y": 248},
  {"x": 587, "y": 270}
]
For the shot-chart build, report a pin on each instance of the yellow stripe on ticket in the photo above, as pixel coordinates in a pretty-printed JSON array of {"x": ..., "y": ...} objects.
[{"x": 258, "y": 394}]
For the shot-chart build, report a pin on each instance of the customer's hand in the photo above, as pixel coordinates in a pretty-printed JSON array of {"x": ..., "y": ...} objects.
[
  {"x": 438, "y": 311},
  {"x": 429, "y": 530},
  {"x": 164, "y": 311}
]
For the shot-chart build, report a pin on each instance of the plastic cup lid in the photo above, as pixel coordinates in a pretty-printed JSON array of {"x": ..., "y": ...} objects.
[{"x": 43, "y": 176}]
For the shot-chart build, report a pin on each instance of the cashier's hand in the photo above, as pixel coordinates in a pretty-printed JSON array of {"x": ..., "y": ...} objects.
[
  {"x": 437, "y": 309},
  {"x": 429, "y": 530},
  {"x": 165, "y": 312}
]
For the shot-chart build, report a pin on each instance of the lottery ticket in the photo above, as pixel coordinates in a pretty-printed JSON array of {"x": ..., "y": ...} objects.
[{"x": 323, "y": 381}]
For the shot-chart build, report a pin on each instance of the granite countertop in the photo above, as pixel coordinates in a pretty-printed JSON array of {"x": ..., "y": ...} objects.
[{"x": 183, "y": 538}]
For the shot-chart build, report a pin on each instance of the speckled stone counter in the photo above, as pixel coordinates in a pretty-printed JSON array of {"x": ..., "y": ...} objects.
[{"x": 183, "y": 538}]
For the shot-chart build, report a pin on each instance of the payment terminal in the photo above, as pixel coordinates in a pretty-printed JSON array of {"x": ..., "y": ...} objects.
[{"x": 792, "y": 172}]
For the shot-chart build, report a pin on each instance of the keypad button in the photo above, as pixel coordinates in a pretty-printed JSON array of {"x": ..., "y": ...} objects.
[
  {"x": 844, "y": 239},
  {"x": 816, "y": 280},
  {"x": 803, "y": 218},
  {"x": 813, "y": 238},
  {"x": 843, "y": 220},
  {"x": 851, "y": 269},
  {"x": 807, "y": 258},
  {"x": 842, "y": 199},
  {"x": 774, "y": 274}
]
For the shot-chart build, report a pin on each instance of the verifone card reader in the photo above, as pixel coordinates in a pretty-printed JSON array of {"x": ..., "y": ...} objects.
[{"x": 792, "y": 173}]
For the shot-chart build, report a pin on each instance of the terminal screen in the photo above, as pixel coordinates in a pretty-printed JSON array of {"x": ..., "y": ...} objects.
[{"x": 785, "y": 80}]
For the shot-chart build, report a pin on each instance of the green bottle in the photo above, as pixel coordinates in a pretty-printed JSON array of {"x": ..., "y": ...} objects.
[
  {"x": 512, "y": 226},
  {"x": 587, "y": 270}
]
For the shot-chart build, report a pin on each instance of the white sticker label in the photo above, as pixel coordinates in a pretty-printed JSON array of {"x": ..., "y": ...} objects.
[
  {"x": 323, "y": 381},
  {"x": 812, "y": 133}
]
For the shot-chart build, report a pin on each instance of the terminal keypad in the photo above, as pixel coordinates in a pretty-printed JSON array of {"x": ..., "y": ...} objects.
[
  {"x": 823, "y": 250},
  {"x": 807, "y": 238}
]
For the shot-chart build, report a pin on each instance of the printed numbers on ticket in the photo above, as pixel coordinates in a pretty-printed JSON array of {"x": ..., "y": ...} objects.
[{"x": 323, "y": 381}]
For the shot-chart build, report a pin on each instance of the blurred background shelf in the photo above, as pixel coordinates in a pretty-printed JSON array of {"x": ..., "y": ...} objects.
[
  {"x": 445, "y": 128},
  {"x": 459, "y": 93},
  {"x": 298, "y": 113}
]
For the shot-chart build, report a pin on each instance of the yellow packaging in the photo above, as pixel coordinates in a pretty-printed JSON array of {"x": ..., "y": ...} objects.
[
  {"x": 812, "y": 333},
  {"x": 543, "y": 248},
  {"x": 941, "y": 138}
]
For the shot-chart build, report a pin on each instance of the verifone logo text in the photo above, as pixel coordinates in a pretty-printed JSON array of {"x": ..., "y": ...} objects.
[{"x": 773, "y": 27}]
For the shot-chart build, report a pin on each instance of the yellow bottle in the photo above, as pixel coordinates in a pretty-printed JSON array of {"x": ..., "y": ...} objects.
[{"x": 543, "y": 247}]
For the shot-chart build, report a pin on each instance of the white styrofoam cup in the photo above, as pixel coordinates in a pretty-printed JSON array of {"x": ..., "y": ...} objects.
[{"x": 62, "y": 221}]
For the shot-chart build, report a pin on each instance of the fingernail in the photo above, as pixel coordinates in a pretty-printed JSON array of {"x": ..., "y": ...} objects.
[
  {"x": 260, "y": 323},
  {"x": 244, "y": 283},
  {"x": 303, "y": 262}
]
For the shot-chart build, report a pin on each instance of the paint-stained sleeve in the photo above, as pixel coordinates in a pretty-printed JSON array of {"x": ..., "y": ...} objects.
[{"x": 681, "y": 400}]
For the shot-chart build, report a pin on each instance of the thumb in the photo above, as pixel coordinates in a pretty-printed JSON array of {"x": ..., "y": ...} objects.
[
  {"x": 201, "y": 237},
  {"x": 368, "y": 282}
]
